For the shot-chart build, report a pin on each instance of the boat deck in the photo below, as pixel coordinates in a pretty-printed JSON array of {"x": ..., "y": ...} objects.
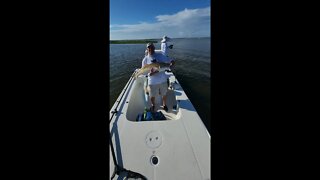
[{"x": 181, "y": 143}]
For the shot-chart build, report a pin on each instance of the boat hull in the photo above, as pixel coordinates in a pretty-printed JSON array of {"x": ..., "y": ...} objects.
[{"x": 179, "y": 145}]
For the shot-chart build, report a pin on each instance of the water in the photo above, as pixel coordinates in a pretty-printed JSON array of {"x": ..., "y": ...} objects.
[{"x": 192, "y": 69}]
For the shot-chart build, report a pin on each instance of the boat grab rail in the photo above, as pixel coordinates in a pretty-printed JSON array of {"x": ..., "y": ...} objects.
[
  {"x": 115, "y": 110},
  {"x": 118, "y": 169}
]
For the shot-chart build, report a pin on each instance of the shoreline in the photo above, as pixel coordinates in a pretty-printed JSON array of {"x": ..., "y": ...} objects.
[{"x": 143, "y": 41}]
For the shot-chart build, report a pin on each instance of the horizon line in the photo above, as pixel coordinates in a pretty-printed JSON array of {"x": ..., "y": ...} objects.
[{"x": 159, "y": 38}]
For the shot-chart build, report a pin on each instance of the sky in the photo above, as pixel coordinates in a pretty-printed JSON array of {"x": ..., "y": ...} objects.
[{"x": 152, "y": 19}]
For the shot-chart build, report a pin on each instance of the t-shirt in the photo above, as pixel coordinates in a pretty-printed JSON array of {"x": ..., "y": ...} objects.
[
  {"x": 156, "y": 57},
  {"x": 159, "y": 77}
]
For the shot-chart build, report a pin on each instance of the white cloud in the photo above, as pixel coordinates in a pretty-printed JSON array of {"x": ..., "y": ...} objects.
[{"x": 186, "y": 23}]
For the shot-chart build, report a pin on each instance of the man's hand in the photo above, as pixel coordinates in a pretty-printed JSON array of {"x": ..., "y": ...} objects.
[
  {"x": 171, "y": 64},
  {"x": 153, "y": 71}
]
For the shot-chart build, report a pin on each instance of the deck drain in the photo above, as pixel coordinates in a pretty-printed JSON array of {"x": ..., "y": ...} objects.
[{"x": 154, "y": 160}]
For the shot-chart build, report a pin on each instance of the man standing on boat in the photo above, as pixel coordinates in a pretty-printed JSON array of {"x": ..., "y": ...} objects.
[
  {"x": 157, "y": 81},
  {"x": 164, "y": 45}
]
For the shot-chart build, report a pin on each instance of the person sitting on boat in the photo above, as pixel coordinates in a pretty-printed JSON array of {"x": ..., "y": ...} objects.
[
  {"x": 164, "y": 45},
  {"x": 157, "y": 81}
]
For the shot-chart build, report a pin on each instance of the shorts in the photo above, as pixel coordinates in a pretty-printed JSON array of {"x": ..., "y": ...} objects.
[{"x": 155, "y": 89}]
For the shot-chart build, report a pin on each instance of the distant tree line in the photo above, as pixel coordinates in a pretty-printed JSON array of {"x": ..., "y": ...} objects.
[{"x": 137, "y": 41}]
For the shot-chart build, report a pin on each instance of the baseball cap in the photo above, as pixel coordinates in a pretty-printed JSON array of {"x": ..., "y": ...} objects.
[{"x": 150, "y": 44}]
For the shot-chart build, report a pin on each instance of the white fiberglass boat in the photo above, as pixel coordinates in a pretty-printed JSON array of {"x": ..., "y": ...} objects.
[{"x": 171, "y": 149}]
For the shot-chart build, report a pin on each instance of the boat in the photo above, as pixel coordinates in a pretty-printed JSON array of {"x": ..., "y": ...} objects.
[{"x": 175, "y": 148}]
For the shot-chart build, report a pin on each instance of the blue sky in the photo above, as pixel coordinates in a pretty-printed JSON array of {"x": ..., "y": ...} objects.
[{"x": 143, "y": 19}]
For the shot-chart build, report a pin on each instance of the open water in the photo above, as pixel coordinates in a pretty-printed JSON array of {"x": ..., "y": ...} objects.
[{"x": 192, "y": 69}]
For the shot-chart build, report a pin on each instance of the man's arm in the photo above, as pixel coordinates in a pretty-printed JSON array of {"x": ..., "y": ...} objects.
[{"x": 143, "y": 62}]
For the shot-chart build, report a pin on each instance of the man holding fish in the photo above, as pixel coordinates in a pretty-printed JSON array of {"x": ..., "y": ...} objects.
[{"x": 157, "y": 79}]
